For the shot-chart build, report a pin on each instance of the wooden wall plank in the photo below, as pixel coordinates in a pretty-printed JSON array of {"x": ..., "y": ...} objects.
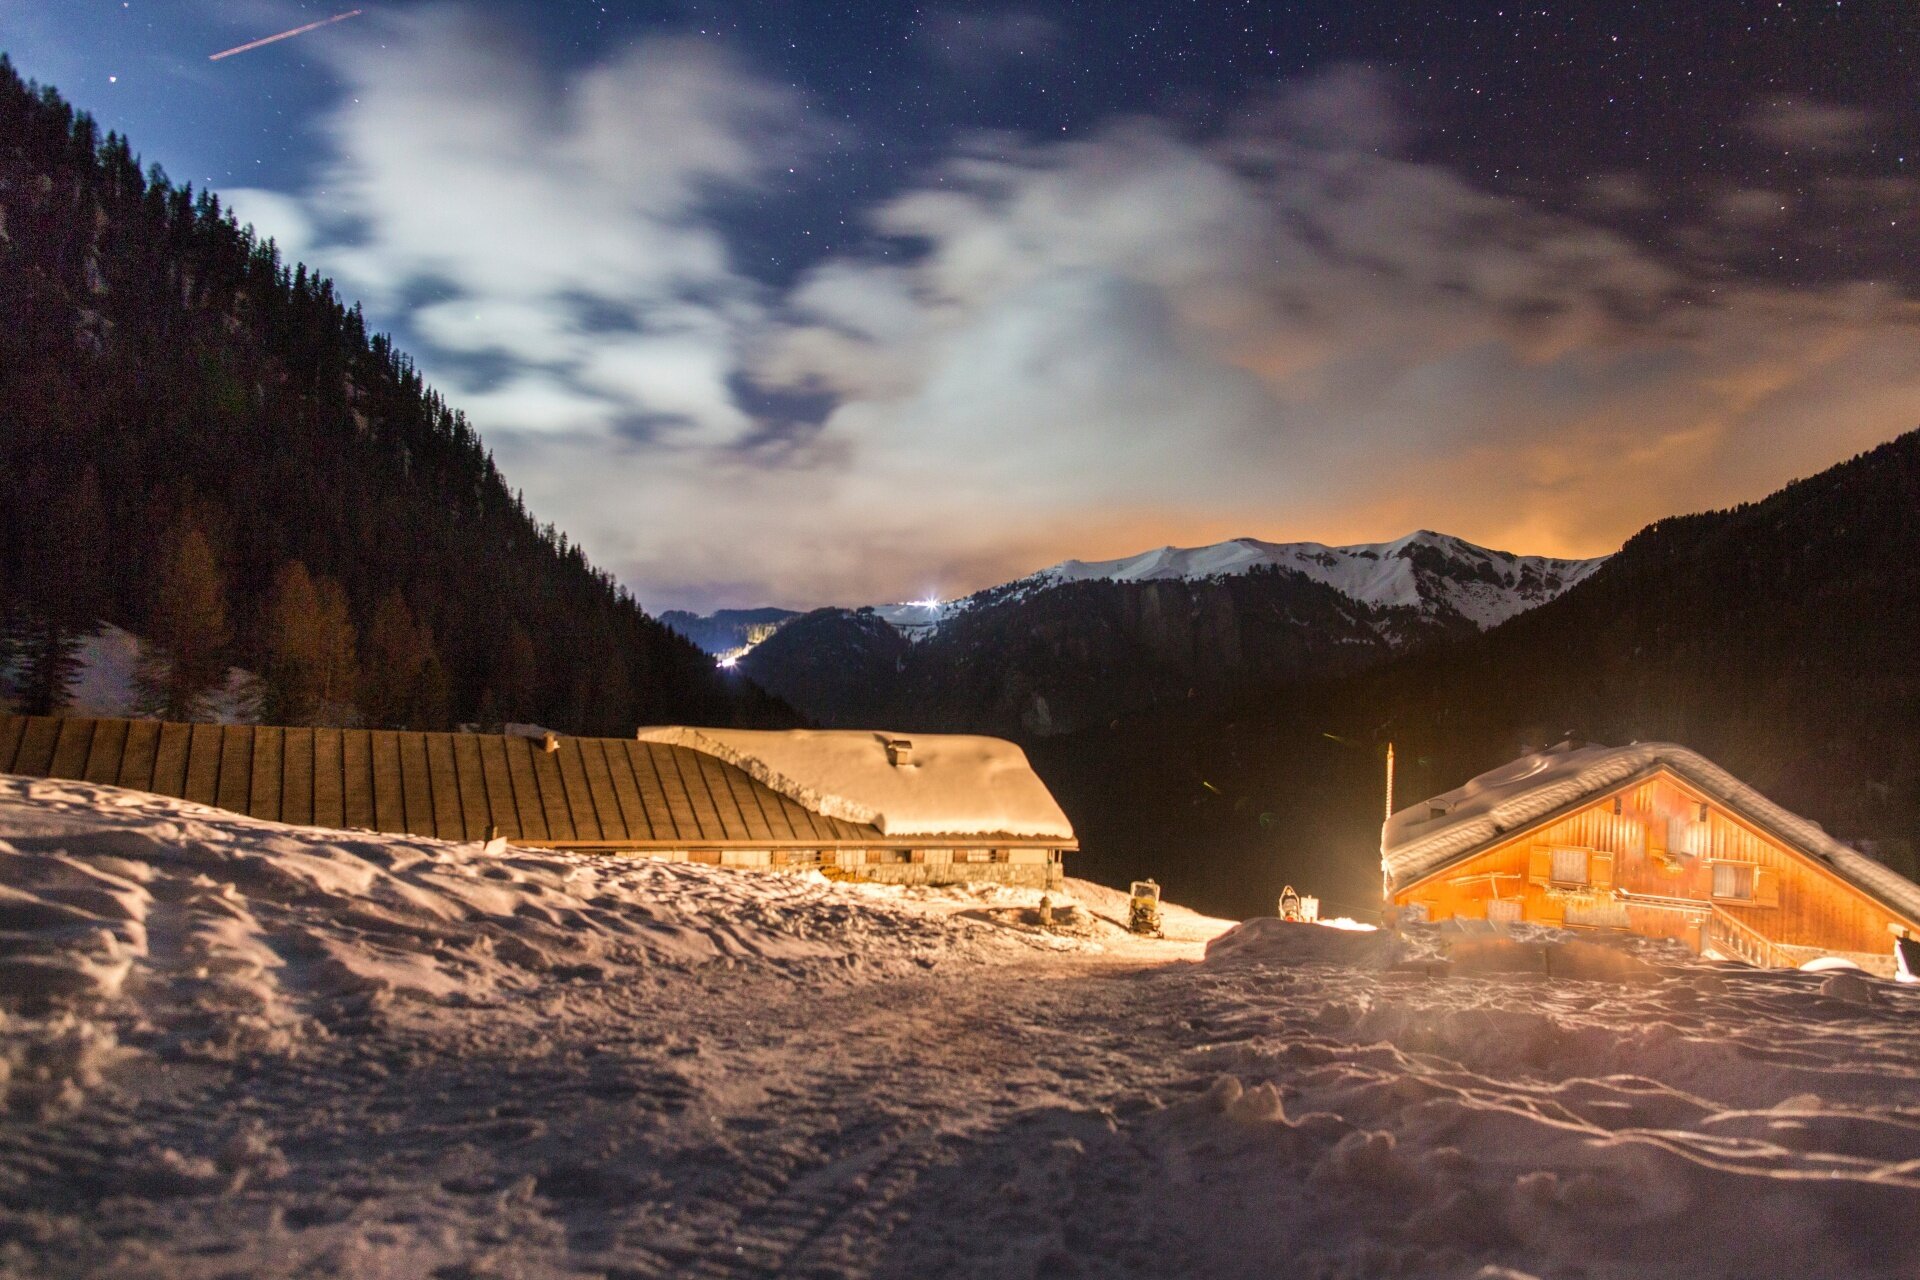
[
  {"x": 770, "y": 803},
  {"x": 416, "y": 785},
  {"x": 626, "y": 789},
  {"x": 449, "y": 822},
  {"x": 356, "y": 780},
  {"x": 738, "y": 787},
  {"x": 296, "y": 777},
  {"x": 236, "y": 767},
  {"x": 807, "y": 824},
  {"x": 552, "y": 793},
  {"x": 389, "y": 799},
  {"x": 593, "y": 762},
  {"x": 572, "y": 767},
  {"x": 268, "y": 766},
  {"x": 104, "y": 754},
  {"x": 500, "y": 805},
  {"x": 526, "y": 788},
  {"x": 170, "y": 760},
  {"x": 11, "y": 729},
  {"x": 36, "y": 746},
  {"x": 707, "y": 819},
  {"x": 667, "y": 806},
  {"x": 203, "y": 764},
  {"x": 70, "y": 748},
  {"x": 136, "y": 762},
  {"x": 329, "y": 778},
  {"x": 472, "y": 782}
]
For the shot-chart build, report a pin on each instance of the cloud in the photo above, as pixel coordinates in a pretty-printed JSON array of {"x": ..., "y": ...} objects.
[
  {"x": 529, "y": 204},
  {"x": 1803, "y": 124},
  {"x": 1289, "y": 326},
  {"x": 1298, "y": 333}
]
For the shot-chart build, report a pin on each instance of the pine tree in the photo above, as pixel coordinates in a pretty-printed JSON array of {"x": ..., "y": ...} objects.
[
  {"x": 311, "y": 670},
  {"x": 187, "y": 631},
  {"x": 516, "y": 676},
  {"x": 65, "y": 539}
]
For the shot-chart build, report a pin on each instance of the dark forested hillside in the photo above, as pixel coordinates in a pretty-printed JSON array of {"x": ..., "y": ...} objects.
[
  {"x": 184, "y": 417},
  {"x": 1780, "y": 638}
]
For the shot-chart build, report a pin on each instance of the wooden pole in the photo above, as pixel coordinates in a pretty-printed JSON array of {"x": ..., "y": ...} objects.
[{"x": 1389, "y": 780}]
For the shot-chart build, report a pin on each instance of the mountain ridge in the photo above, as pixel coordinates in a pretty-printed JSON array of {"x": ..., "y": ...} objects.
[
  {"x": 1081, "y": 642},
  {"x": 1396, "y": 574}
]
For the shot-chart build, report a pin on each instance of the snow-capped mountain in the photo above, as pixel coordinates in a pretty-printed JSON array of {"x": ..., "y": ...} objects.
[
  {"x": 1428, "y": 571},
  {"x": 1084, "y": 641},
  {"x": 1433, "y": 574}
]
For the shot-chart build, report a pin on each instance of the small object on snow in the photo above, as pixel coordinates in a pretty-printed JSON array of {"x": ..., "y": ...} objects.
[
  {"x": 1143, "y": 913},
  {"x": 900, "y": 752},
  {"x": 1290, "y": 906},
  {"x": 1046, "y": 912}
]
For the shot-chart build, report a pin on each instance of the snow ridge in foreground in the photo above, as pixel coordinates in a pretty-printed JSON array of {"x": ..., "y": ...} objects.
[
  {"x": 239, "y": 1049},
  {"x": 232, "y": 938}
]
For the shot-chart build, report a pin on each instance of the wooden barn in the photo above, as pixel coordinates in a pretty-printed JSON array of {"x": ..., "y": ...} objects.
[
  {"x": 874, "y": 806},
  {"x": 1652, "y": 839}
]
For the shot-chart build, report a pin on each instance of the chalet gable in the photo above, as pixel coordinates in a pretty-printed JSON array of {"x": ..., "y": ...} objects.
[{"x": 1503, "y": 804}]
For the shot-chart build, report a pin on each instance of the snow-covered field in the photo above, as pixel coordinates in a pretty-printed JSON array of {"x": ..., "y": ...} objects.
[{"x": 234, "y": 1049}]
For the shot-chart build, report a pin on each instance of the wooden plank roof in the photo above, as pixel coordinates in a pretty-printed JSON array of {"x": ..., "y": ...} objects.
[{"x": 589, "y": 793}]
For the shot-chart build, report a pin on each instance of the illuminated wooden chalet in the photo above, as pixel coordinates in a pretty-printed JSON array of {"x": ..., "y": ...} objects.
[
  {"x": 1652, "y": 839},
  {"x": 866, "y": 806}
]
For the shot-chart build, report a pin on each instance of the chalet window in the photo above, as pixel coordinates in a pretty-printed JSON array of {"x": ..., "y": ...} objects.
[
  {"x": 1733, "y": 880},
  {"x": 1569, "y": 866}
]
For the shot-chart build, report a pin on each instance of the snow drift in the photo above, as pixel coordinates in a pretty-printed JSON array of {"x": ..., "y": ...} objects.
[{"x": 209, "y": 935}]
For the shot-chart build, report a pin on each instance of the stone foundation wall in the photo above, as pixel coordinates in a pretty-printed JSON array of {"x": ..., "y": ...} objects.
[{"x": 1020, "y": 875}]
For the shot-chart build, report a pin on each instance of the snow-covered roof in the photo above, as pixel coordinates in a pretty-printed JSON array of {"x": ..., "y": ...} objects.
[
  {"x": 949, "y": 784},
  {"x": 1426, "y": 836}
]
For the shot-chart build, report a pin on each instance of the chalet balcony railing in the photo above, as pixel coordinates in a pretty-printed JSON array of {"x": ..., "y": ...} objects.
[{"x": 1738, "y": 940}]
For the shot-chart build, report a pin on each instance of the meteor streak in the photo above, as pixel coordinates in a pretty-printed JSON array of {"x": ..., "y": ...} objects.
[{"x": 285, "y": 35}]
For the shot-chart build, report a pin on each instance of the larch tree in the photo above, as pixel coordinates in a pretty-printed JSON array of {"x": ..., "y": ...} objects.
[
  {"x": 402, "y": 683},
  {"x": 187, "y": 627},
  {"x": 310, "y": 644}
]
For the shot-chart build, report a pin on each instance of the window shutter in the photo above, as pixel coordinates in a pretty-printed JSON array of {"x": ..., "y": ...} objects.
[
  {"x": 1600, "y": 870},
  {"x": 1766, "y": 887},
  {"x": 1539, "y": 864}
]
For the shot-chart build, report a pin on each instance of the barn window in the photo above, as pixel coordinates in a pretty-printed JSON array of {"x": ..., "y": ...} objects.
[
  {"x": 1733, "y": 880},
  {"x": 1569, "y": 866}
]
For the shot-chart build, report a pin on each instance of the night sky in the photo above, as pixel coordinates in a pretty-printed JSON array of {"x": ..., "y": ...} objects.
[{"x": 800, "y": 303}]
